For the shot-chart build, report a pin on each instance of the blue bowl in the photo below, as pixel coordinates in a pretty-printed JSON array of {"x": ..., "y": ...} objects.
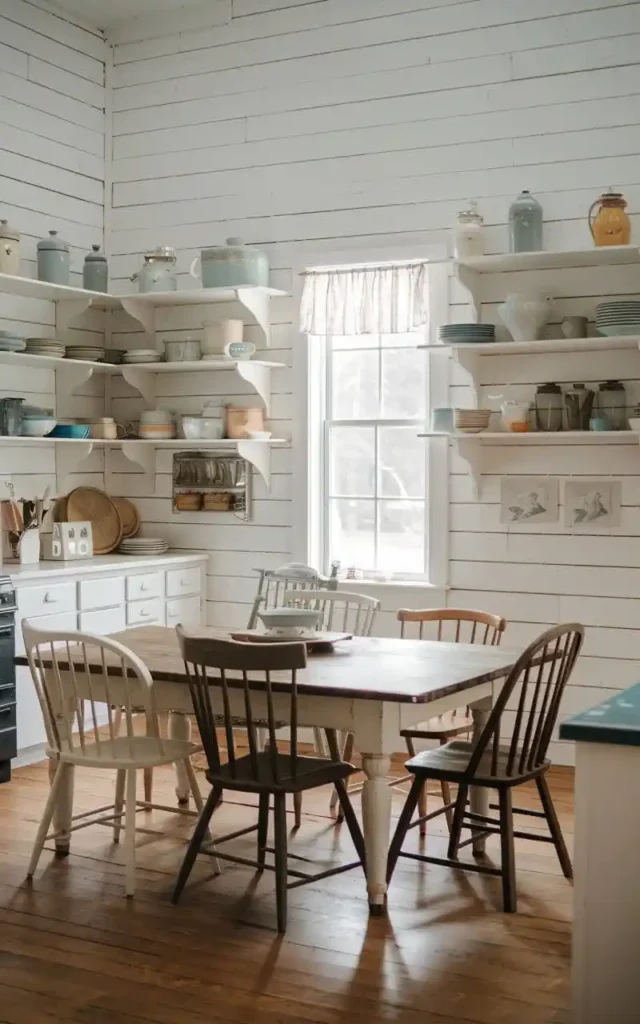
[{"x": 78, "y": 431}]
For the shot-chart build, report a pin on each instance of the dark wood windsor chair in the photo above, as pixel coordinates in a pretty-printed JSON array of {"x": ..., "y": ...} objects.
[
  {"x": 217, "y": 669},
  {"x": 537, "y": 680}
]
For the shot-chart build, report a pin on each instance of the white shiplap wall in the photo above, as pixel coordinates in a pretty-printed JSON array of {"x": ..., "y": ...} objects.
[
  {"x": 52, "y": 141},
  {"x": 339, "y": 124}
]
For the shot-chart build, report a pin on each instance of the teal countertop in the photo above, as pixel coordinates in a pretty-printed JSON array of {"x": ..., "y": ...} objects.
[{"x": 614, "y": 721}]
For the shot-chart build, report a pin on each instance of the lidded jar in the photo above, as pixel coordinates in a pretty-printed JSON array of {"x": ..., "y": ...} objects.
[
  {"x": 158, "y": 273},
  {"x": 468, "y": 233},
  {"x": 549, "y": 405},
  {"x": 525, "y": 224},
  {"x": 234, "y": 265},
  {"x": 54, "y": 260},
  {"x": 611, "y": 224},
  {"x": 612, "y": 404},
  {"x": 95, "y": 272},
  {"x": 9, "y": 249}
]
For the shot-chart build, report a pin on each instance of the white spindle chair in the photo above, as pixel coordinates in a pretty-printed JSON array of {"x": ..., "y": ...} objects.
[
  {"x": 342, "y": 612},
  {"x": 74, "y": 701}
]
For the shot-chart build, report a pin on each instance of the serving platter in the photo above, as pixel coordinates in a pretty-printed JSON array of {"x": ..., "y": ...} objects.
[{"x": 316, "y": 641}]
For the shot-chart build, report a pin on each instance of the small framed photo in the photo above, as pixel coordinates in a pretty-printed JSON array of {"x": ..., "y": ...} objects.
[
  {"x": 592, "y": 504},
  {"x": 528, "y": 499}
]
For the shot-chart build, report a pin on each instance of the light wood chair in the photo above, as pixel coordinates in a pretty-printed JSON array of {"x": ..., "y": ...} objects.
[
  {"x": 213, "y": 666},
  {"x": 455, "y": 625},
  {"x": 78, "y": 735},
  {"x": 273, "y": 584},
  {"x": 536, "y": 683}
]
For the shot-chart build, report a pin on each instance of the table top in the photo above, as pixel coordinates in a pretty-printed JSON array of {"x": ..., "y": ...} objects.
[
  {"x": 614, "y": 721},
  {"x": 401, "y": 671}
]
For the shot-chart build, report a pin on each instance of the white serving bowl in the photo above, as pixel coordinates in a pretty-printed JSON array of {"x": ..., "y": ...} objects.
[
  {"x": 289, "y": 619},
  {"x": 35, "y": 427},
  {"x": 634, "y": 423},
  {"x": 259, "y": 435},
  {"x": 211, "y": 428},
  {"x": 191, "y": 428}
]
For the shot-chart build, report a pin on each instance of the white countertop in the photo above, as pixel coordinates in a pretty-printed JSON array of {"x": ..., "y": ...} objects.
[{"x": 101, "y": 563}]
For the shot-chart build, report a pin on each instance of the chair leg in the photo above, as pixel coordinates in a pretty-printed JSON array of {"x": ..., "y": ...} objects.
[
  {"x": 43, "y": 827},
  {"x": 195, "y": 842},
  {"x": 345, "y": 745},
  {"x": 422, "y": 797},
  {"x": 403, "y": 824},
  {"x": 458, "y": 819},
  {"x": 263, "y": 827},
  {"x": 280, "y": 814},
  {"x": 130, "y": 834},
  {"x": 297, "y": 809},
  {"x": 148, "y": 786},
  {"x": 349, "y": 815},
  {"x": 507, "y": 848},
  {"x": 554, "y": 827},
  {"x": 446, "y": 798},
  {"x": 118, "y": 803}
]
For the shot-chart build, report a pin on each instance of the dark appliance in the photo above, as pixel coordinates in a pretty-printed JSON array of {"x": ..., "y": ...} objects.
[{"x": 8, "y": 729}]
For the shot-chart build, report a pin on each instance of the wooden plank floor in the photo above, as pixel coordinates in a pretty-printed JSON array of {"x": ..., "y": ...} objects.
[{"x": 73, "y": 949}]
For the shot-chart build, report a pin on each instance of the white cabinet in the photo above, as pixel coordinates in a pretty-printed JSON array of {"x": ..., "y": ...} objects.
[
  {"x": 100, "y": 593},
  {"x": 49, "y": 600},
  {"x": 186, "y": 610},
  {"x": 145, "y": 585},
  {"x": 64, "y": 621},
  {"x": 103, "y": 621},
  {"x": 143, "y": 613},
  {"x": 31, "y": 731},
  {"x": 181, "y": 582}
]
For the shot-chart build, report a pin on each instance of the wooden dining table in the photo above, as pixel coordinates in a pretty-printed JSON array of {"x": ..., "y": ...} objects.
[{"x": 370, "y": 687}]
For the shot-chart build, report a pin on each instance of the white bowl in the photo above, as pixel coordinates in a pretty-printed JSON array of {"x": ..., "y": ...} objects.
[
  {"x": 290, "y": 618},
  {"x": 35, "y": 427},
  {"x": 191, "y": 428},
  {"x": 259, "y": 435},
  {"x": 634, "y": 423}
]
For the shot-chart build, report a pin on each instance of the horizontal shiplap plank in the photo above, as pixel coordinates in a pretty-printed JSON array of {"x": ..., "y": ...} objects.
[
  {"x": 24, "y": 143},
  {"x": 55, "y": 26},
  {"x": 39, "y": 45},
  {"x": 50, "y": 102},
  {"x": 62, "y": 81},
  {"x": 576, "y": 580},
  {"x": 54, "y": 129}
]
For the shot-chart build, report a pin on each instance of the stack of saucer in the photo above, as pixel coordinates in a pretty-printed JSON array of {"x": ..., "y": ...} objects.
[
  {"x": 45, "y": 347},
  {"x": 619, "y": 317},
  {"x": 143, "y": 546},
  {"x": 10, "y": 342},
  {"x": 90, "y": 353},
  {"x": 458, "y": 334},
  {"x": 142, "y": 355}
]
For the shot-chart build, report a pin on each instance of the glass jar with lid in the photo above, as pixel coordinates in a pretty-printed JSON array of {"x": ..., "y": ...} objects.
[
  {"x": 525, "y": 224},
  {"x": 158, "y": 273},
  {"x": 612, "y": 404},
  {"x": 468, "y": 233},
  {"x": 549, "y": 406},
  {"x": 9, "y": 249}
]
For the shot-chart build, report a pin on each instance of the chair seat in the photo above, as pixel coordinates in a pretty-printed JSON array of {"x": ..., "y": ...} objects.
[
  {"x": 310, "y": 772},
  {"x": 449, "y": 724},
  {"x": 450, "y": 762},
  {"x": 138, "y": 752}
]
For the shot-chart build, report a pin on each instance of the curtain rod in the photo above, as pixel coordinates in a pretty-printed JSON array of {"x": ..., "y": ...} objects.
[{"x": 342, "y": 267}]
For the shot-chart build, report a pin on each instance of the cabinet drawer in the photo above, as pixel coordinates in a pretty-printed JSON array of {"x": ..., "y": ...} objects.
[
  {"x": 144, "y": 586},
  {"x": 65, "y": 622},
  {"x": 185, "y": 610},
  {"x": 59, "y": 597},
  {"x": 104, "y": 621},
  {"x": 8, "y": 743},
  {"x": 183, "y": 581},
  {"x": 7, "y": 716},
  {"x": 141, "y": 612},
  {"x": 101, "y": 593}
]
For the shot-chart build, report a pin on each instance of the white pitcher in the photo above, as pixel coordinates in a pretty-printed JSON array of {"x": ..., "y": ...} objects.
[{"x": 524, "y": 316}]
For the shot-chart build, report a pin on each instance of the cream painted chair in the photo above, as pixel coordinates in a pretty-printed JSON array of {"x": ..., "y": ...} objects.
[{"x": 78, "y": 736}]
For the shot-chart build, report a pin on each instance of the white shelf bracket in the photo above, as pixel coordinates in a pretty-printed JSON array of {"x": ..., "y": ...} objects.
[
  {"x": 69, "y": 378},
  {"x": 470, "y": 281},
  {"x": 471, "y": 453},
  {"x": 142, "y": 453},
  {"x": 142, "y": 381},
  {"x": 143, "y": 312},
  {"x": 469, "y": 360},
  {"x": 258, "y": 453},
  {"x": 68, "y": 460},
  {"x": 256, "y": 301},
  {"x": 68, "y": 310},
  {"x": 259, "y": 377}
]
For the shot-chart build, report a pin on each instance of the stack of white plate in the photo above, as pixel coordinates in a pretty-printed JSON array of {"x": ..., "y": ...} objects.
[
  {"x": 457, "y": 334},
  {"x": 143, "y": 546},
  {"x": 142, "y": 355},
  {"x": 11, "y": 342},
  {"x": 618, "y": 317},
  {"x": 90, "y": 353},
  {"x": 45, "y": 347}
]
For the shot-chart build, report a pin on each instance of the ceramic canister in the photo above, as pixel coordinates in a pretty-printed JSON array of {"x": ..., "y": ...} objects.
[
  {"x": 525, "y": 224},
  {"x": 54, "y": 260},
  {"x": 9, "y": 249},
  {"x": 95, "y": 272},
  {"x": 158, "y": 273},
  {"x": 233, "y": 265},
  {"x": 216, "y": 337}
]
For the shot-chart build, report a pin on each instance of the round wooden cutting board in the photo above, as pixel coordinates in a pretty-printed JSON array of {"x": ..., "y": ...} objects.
[
  {"x": 129, "y": 516},
  {"x": 88, "y": 504}
]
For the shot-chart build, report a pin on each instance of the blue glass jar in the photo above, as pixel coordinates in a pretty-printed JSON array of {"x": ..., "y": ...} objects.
[{"x": 525, "y": 224}]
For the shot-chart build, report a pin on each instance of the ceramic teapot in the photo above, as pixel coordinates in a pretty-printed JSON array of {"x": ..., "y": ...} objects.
[
  {"x": 524, "y": 316},
  {"x": 611, "y": 225}
]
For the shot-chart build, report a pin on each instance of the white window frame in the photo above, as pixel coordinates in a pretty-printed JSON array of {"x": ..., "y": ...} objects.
[{"x": 309, "y": 478}]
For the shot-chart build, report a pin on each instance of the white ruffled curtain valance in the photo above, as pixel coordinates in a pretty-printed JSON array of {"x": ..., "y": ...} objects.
[{"x": 391, "y": 299}]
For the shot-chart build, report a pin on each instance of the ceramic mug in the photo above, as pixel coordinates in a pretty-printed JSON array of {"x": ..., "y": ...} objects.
[
  {"x": 442, "y": 420},
  {"x": 574, "y": 326},
  {"x": 599, "y": 423},
  {"x": 108, "y": 430}
]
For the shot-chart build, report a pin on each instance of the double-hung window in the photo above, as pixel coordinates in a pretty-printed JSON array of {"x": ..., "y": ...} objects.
[{"x": 376, "y": 490}]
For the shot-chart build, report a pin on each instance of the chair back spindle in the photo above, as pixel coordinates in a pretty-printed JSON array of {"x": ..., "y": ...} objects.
[{"x": 455, "y": 625}]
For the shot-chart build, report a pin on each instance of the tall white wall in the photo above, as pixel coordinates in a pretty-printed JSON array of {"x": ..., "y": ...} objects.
[
  {"x": 344, "y": 123},
  {"x": 52, "y": 170}
]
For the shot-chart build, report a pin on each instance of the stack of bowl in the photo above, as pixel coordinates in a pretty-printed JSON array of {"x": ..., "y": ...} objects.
[
  {"x": 459, "y": 334},
  {"x": 472, "y": 421},
  {"x": 618, "y": 317},
  {"x": 37, "y": 422},
  {"x": 157, "y": 425},
  {"x": 10, "y": 342}
]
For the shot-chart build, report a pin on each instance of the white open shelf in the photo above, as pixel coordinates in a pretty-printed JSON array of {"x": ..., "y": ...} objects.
[
  {"x": 597, "y": 256},
  {"x": 495, "y": 348}
]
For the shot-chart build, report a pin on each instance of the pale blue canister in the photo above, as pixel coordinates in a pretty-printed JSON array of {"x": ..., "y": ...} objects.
[
  {"x": 525, "y": 224},
  {"x": 95, "y": 272},
  {"x": 54, "y": 260},
  {"x": 233, "y": 265}
]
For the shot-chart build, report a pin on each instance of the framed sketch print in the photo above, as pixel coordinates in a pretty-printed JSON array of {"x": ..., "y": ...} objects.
[
  {"x": 592, "y": 504},
  {"x": 528, "y": 499}
]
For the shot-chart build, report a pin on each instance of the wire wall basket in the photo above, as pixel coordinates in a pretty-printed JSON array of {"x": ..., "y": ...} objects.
[{"x": 204, "y": 482}]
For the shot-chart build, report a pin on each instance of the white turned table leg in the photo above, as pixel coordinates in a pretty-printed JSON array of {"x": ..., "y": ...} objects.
[
  {"x": 376, "y": 818},
  {"x": 479, "y": 795},
  {"x": 180, "y": 729},
  {"x": 64, "y": 807}
]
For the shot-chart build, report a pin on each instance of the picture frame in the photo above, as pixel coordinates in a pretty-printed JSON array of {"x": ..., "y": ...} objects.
[
  {"x": 592, "y": 504},
  {"x": 527, "y": 500}
]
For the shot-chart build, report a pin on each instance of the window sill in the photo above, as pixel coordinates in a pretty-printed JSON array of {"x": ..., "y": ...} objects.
[{"x": 402, "y": 584}]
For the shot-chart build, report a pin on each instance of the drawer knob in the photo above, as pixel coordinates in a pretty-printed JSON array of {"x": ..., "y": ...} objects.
[
  {"x": 183, "y": 583},
  {"x": 143, "y": 587},
  {"x": 48, "y": 599},
  {"x": 144, "y": 614}
]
